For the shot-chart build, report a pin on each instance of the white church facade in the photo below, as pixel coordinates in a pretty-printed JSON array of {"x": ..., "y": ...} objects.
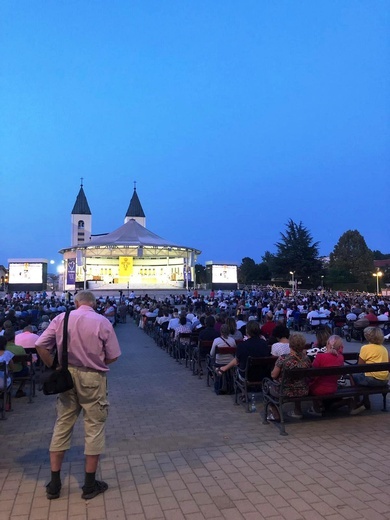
[{"x": 128, "y": 257}]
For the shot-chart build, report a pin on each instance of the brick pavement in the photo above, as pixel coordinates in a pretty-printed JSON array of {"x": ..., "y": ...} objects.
[{"x": 175, "y": 451}]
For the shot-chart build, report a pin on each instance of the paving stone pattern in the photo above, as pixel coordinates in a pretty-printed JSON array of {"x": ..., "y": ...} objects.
[{"x": 176, "y": 451}]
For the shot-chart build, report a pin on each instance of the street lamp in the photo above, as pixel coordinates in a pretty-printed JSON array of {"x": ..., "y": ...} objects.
[
  {"x": 292, "y": 280},
  {"x": 378, "y": 274},
  {"x": 61, "y": 275}
]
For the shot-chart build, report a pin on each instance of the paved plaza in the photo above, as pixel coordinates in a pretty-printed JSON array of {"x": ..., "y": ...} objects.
[{"x": 175, "y": 451}]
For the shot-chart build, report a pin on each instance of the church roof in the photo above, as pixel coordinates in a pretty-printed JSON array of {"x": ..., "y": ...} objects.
[
  {"x": 130, "y": 234},
  {"x": 81, "y": 205},
  {"x": 135, "y": 208}
]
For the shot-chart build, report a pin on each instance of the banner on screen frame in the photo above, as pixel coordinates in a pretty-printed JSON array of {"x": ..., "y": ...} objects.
[{"x": 71, "y": 271}]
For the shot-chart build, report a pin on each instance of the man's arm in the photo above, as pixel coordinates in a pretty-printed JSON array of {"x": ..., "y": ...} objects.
[
  {"x": 232, "y": 363},
  {"x": 111, "y": 346},
  {"x": 109, "y": 361},
  {"x": 46, "y": 343},
  {"x": 45, "y": 355}
]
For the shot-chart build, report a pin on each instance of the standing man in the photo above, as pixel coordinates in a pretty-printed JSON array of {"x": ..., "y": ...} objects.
[{"x": 92, "y": 345}]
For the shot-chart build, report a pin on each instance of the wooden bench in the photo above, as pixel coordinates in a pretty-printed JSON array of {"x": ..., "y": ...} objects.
[
  {"x": 211, "y": 365},
  {"x": 5, "y": 393},
  {"x": 309, "y": 373},
  {"x": 316, "y": 323},
  {"x": 199, "y": 354},
  {"x": 251, "y": 379},
  {"x": 189, "y": 349},
  {"x": 180, "y": 346},
  {"x": 162, "y": 335},
  {"x": 26, "y": 360},
  {"x": 358, "y": 332},
  {"x": 149, "y": 325}
]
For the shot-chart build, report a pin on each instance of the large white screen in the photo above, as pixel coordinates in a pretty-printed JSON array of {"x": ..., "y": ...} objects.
[
  {"x": 25, "y": 273},
  {"x": 224, "y": 274}
]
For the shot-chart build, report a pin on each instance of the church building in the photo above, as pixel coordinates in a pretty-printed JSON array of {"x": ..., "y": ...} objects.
[{"x": 128, "y": 257}]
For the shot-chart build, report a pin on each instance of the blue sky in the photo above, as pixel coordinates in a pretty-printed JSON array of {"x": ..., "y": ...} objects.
[{"x": 231, "y": 116}]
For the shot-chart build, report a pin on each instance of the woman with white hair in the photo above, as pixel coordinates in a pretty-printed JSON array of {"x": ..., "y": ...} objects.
[{"x": 373, "y": 352}]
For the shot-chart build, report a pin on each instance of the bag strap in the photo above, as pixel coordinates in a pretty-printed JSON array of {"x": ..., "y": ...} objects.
[
  {"x": 64, "y": 363},
  {"x": 228, "y": 344}
]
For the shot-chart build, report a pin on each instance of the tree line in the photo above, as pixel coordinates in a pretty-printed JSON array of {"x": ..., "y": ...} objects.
[{"x": 349, "y": 266}]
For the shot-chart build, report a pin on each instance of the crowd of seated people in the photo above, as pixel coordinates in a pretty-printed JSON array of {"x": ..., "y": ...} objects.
[
  {"x": 260, "y": 328},
  {"x": 261, "y": 316}
]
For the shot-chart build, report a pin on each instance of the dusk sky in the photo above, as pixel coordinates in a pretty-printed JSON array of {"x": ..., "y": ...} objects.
[{"x": 232, "y": 117}]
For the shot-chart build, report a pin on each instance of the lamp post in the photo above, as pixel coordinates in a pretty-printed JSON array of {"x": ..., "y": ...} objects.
[
  {"x": 378, "y": 274},
  {"x": 61, "y": 275},
  {"x": 292, "y": 280}
]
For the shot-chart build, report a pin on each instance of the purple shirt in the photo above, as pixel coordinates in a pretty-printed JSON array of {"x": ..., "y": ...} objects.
[{"x": 91, "y": 339}]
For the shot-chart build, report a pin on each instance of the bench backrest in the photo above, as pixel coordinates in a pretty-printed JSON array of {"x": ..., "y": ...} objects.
[
  {"x": 183, "y": 335},
  {"x": 300, "y": 373},
  {"x": 225, "y": 350},
  {"x": 205, "y": 346},
  {"x": 259, "y": 367},
  {"x": 23, "y": 359},
  {"x": 362, "y": 325},
  {"x": 350, "y": 356}
]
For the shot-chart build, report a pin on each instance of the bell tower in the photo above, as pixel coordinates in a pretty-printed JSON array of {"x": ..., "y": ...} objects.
[
  {"x": 81, "y": 219},
  {"x": 135, "y": 210}
]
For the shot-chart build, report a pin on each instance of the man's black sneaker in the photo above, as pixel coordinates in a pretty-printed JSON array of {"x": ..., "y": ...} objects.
[
  {"x": 53, "y": 491},
  {"x": 92, "y": 492}
]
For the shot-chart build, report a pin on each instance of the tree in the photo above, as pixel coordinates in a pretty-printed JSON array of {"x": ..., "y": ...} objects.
[
  {"x": 296, "y": 252},
  {"x": 263, "y": 272},
  {"x": 378, "y": 255},
  {"x": 351, "y": 259},
  {"x": 247, "y": 271}
]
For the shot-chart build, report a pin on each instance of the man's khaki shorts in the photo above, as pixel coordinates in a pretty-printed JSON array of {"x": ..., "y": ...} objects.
[{"x": 90, "y": 395}]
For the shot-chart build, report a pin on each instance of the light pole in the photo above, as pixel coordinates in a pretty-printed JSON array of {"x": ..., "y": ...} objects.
[
  {"x": 378, "y": 274},
  {"x": 61, "y": 276},
  {"x": 292, "y": 280}
]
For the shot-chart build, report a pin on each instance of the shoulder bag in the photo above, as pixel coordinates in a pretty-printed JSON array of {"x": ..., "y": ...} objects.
[{"x": 60, "y": 380}]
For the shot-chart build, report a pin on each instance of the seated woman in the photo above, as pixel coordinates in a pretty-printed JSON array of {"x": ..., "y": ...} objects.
[
  {"x": 296, "y": 359},
  {"x": 109, "y": 312},
  {"x": 233, "y": 331},
  {"x": 323, "y": 333},
  {"x": 374, "y": 352},
  {"x": 183, "y": 328},
  {"x": 279, "y": 341},
  {"x": 224, "y": 340},
  {"x": 254, "y": 346},
  {"x": 322, "y": 385},
  {"x": 222, "y": 384}
]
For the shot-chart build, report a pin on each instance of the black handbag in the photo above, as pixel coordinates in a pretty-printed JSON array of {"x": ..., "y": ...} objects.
[{"x": 58, "y": 381}]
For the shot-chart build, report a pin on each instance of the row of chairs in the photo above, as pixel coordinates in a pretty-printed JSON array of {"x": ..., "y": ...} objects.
[
  {"x": 26, "y": 360},
  {"x": 187, "y": 349}
]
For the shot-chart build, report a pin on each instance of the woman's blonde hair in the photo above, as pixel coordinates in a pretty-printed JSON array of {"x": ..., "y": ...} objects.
[
  {"x": 374, "y": 335},
  {"x": 335, "y": 343}
]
